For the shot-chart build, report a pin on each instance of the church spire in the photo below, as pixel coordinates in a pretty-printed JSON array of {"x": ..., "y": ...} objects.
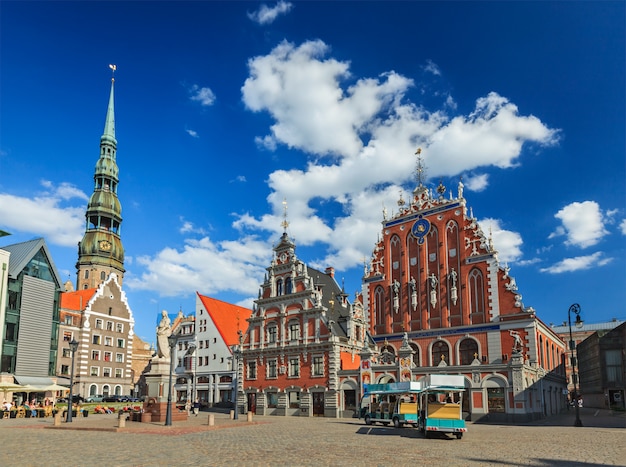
[
  {"x": 100, "y": 252},
  {"x": 109, "y": 124}
]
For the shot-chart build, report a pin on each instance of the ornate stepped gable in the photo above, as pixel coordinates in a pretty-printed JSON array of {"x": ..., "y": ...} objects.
[{"x": 433, "y": 267}]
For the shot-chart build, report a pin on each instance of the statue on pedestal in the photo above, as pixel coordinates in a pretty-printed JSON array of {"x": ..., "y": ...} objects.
[{"x": 163, "y": 331}]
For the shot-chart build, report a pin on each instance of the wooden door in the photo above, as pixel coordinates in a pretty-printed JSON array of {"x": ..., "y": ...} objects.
[
  {"x": 318, "y": 404},
  {"x": 252, "y": 402}
]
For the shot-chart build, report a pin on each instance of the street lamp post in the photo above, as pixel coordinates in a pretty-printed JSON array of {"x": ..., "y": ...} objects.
[
  {"x": 575, "y": 308},
  {"x": 73, "y": 348},
  {"x": 236, "y": 356},
  {"x": 171, "y": 340}
]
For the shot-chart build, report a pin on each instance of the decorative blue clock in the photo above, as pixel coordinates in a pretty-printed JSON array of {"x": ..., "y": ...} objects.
[{"x": 420, "y": 229}]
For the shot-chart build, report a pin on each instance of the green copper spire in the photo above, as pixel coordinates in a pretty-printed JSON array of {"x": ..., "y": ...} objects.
[
  {"x": 101, "y": 252},
  {"x": 109, "y": 124}
]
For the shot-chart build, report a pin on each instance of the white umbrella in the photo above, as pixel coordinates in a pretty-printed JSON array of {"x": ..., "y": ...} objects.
[
  {"x": 10, "y": 387},
  {"x": 55, "y": 387}
]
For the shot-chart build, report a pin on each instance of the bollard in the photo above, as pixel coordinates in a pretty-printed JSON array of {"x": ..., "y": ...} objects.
[
  {"x": 57, "y": 418},
  {"x": 249, "y": 415},
  {"x": 121, "y": 420},
  {"x": 211, "y": 419},
  {"x": 232, "y": 414}
]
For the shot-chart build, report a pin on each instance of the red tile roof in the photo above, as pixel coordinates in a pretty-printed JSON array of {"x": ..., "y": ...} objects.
[
  {"x": 228, "y": 318},
  {"x": 76, "y": 300}
]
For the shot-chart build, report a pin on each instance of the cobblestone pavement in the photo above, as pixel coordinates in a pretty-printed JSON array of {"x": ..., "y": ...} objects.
[{"x": 293, "y": 441}]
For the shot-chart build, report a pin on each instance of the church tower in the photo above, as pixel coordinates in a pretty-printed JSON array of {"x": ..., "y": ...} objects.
[{"x": 100, "y": 252}]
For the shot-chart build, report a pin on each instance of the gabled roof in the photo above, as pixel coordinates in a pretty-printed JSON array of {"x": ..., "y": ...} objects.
[
  {"x": 337, "y": 313},
  {"x": 77, "y": 300},
  {"x": 228, "y": 318},
  {"x": 22, "y": 253}
]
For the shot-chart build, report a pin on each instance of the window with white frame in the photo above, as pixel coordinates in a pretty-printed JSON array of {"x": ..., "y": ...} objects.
[
  {"x": 252, "y": 370},
  {"x": 119, "y": 327},
  {"x": 109, "y": 325},
  {"x": 272, "y": 368},
  {"x": 96, "y": 339},
  {"x": 107, "y": 357},
  {"x": 119, "y": 357},
  {"x": 69, "y": 320},
  {"x": 99, "y": 324},
  {"x": 67, "y": 336},
  {"x": 294, "y": 330},
  {"x": 108, "y": 341},
  {"x": 65, "y": 369},
  {"x": 67, "y": 353},
  {"x": 95, "y": 355},
  {"x": 118, "y": 372},
  {"x": 106, "y": 372},
  {"x": 294, "y": 367},
  {"x": 272, "y": 333},
  {"x": 94, "y": 371},
  {"x": 120, "y": 343},
  {"x": 318, "y": 365}
]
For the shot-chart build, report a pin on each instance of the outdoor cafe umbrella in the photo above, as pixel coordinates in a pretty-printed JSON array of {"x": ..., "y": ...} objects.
[{"x": 11, "y": 387}]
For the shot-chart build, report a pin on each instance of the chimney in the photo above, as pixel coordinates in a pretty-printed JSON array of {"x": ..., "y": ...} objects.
[{"x": 330, "y": 271}]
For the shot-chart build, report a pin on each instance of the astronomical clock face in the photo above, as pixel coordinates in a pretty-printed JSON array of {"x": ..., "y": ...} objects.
[
  {"x": 104, "y": 245},
  {"x": 283, "y": 257},
  {"x": 420, "y": 229}
]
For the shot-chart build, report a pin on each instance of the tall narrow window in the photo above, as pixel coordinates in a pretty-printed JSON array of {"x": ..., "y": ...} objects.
[
  {"x": 477, "y": 295},
  {"x": 468, "y": 350}
]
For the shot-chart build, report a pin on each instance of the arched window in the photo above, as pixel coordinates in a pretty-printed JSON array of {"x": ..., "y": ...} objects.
[
  {"x": 105, "y": 390},
  {"x": 288, "y": 285},
  {"x": 118, "y": 390},
  {"x": 440, "y": 351},
  {"x": 86, "y": 273},
  {"x": 477, "y": 295},
  {"x": 468, "y": 350},
  {"x": 93, "y": 390},
  {"x": 103, "y": 275},
  {"x": 541, "y": 356},
  {"x": 279, "y": 287},
  {"x": 379, "y": 300}
]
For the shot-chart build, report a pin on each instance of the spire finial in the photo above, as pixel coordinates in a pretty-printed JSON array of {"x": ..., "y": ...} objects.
[
  {"x": 113, "y": 68},
  {"x": 285, "y": 223},
  {"x": 420, "y": 170}
]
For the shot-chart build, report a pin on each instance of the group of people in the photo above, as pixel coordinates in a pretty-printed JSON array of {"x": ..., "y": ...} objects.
[{"x": 31, "y": 407}]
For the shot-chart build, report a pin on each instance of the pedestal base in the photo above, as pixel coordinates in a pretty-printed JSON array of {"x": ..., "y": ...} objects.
[{"x": 158, "y": 412}]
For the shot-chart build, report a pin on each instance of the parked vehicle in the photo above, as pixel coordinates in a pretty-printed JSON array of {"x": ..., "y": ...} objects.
[
  {"x": 391, "y": 402},
  {"x": 441, "y": 405},
  {"x": 95, "y": 398},
  {"x": 115, "y": 398},
  {"x": 75, "y": 398}
]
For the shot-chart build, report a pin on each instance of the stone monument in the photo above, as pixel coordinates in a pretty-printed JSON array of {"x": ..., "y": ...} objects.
[{"x": 157, "y": 379}]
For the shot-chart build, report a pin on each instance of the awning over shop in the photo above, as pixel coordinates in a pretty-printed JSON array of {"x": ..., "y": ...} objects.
[{"x": 37, "y": 382}]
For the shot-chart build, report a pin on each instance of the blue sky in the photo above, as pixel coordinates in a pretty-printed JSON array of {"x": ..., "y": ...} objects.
[{"x": 225, "y": 109}]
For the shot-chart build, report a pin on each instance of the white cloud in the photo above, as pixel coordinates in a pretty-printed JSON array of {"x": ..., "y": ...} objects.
[
  {"x": 192, "y": 133},
  {"x": 236, "y": 266},
  {"x": 622, "y": 227},
  {"x": 189, "y": 227},
  {"x": 507, "y": 243},
  {"x": 46, "y": 214},
  {"x": 432, "y": 67},
  {"x": 578, "y": 263},
  {"x": 266, "y": 15},
  {"x": 370, "y": 130},
  {"x": 205, "y": 96},
  {"x": 583, "y": 224},
  {"x": 476, "y": 183}
]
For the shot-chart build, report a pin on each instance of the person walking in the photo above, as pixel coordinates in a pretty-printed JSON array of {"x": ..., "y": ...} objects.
[{"x": 196, "y": 407}]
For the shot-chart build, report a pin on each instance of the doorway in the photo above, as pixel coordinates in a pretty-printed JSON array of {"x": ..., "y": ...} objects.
[
  {"x": 318, "y": 404},
  {"x": 252, "y": 402}
]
